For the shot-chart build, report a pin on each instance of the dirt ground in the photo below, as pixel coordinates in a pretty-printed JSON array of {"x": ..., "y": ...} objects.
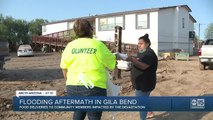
[{"x": 42, "y": 72}]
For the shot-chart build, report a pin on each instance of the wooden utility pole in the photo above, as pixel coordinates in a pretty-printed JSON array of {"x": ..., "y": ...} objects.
[
  {"x": 118, "y": 43},
  {"x": 199, "y": 31}
]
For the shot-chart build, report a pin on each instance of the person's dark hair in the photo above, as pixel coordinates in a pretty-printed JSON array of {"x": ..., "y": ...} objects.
[
  {"x": 145, "y": 39},
  {"x": 83, "y": 28}
]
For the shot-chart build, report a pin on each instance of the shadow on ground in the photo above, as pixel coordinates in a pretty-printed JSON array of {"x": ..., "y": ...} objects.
[{"x": 31, "y": 75}]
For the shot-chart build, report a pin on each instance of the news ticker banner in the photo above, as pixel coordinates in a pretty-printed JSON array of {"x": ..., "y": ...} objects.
[{"x": 119, "y": 103}]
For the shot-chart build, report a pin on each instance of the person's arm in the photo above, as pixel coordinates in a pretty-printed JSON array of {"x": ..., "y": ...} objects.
[
  {"x": 106, "y": 57},
  {"x": 64, "y": 62},
  {"x": 137, "y": 63},
  {"x": 64, "y": 71}
]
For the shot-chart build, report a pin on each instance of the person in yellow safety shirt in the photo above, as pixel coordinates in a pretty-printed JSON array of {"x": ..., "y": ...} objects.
[{"x": 84, "y": 62}]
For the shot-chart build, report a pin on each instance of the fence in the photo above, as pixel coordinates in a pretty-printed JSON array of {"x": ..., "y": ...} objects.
[{"x": 60, "y": 44}]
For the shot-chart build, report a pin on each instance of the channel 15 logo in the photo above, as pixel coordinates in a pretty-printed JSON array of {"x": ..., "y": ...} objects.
[{"x": 197, "y": 103}]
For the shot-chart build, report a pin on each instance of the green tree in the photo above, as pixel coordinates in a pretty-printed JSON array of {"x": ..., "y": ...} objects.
[
  {"x": 35, "y": 26},
  {"x": 3, "y": 29},
  {"x": 21, "y": 28},
  {"x": 18, "y": 31},
  {"x": 209, "y": 31},
  {"x": 11, "y": 35}
]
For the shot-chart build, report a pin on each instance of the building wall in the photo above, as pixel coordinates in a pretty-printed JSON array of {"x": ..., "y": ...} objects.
[
  {"x": 172, "y": 35},
  {"x": 187, "y": 44},
  {"x": 52, "y": 28},
  {"x": 166, "y": 29},
  {"x": 191, "y": 25},
  {"x": 130, "y": 34}
]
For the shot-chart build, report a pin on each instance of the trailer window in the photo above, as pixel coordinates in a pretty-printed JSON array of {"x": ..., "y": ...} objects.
[{"x": 109, "y": 23}]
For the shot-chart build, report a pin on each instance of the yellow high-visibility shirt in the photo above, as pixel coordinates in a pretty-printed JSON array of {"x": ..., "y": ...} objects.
[{"x": 90, "y": 57}]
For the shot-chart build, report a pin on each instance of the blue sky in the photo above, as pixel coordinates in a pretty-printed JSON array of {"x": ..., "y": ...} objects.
[{"x": 54, "y": 10}]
